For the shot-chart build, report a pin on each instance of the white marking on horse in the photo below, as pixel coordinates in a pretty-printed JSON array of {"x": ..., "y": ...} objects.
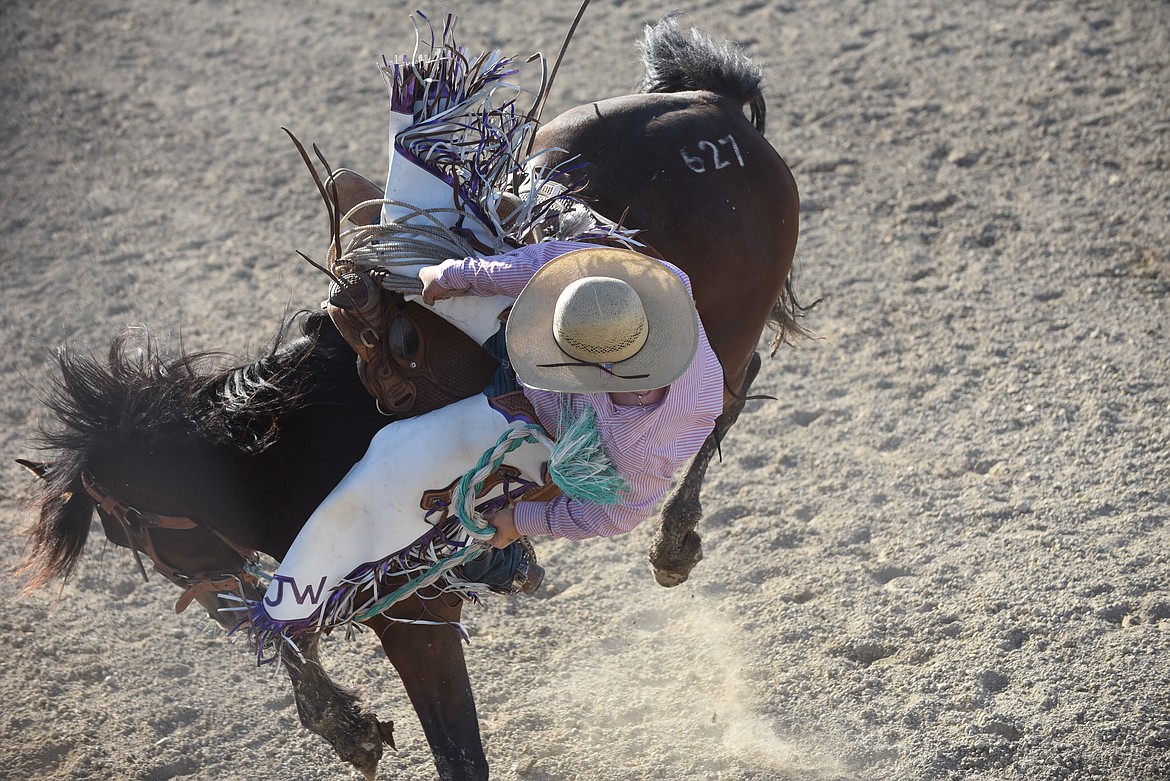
[{"x": 698, "y": 163}]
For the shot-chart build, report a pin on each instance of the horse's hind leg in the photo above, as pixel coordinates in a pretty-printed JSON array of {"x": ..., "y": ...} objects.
[
  {"x": 677, "y": 547},
  {"x": 333, "y": 712}
]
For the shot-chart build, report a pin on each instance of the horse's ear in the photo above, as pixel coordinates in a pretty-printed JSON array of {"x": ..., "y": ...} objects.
[{"x": 38, "y": 468}]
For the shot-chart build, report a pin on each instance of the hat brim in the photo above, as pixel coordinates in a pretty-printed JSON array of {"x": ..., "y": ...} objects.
[{"x": 672, "y": 333}]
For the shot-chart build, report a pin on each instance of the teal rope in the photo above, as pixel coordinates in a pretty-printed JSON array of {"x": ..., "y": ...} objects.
[{"x": 463, "y": 502}]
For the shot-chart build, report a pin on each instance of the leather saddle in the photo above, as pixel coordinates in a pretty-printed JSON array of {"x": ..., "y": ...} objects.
[{"x": 410, "y": 359}]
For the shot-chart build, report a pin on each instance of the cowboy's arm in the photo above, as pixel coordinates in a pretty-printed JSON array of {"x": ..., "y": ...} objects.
[
  {"x": 505, "y": 274},
  {"x": 574, "y": 519},
  {"x": 662, "y": 450}
]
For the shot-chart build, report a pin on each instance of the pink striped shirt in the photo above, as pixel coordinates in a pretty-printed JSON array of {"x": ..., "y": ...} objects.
[{"x": 647, "y": 444}]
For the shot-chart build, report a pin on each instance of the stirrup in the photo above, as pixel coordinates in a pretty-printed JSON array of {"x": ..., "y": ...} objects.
[{"x": 529, "y": 575}]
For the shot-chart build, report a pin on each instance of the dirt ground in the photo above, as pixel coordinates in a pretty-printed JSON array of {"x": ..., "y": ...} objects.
[{"x": 941, "y": 554}]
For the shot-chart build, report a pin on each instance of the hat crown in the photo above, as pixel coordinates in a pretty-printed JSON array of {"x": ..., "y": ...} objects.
[{"x": 600, "y": 320}]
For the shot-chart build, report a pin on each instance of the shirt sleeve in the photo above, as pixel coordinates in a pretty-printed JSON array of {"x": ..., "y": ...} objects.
[
  {"x": 505, "y": 274},
  {"x": 577, "y": 520}
]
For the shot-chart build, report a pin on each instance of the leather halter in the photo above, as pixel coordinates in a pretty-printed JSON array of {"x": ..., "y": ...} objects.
[{"x": 136, "y": 525}]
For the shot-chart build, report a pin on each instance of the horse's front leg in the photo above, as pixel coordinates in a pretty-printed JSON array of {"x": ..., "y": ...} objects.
[
  {"x": 429, "y": 659},
  {"x": 334, "y": 712},
  {"x": 325, "y": 708},
  {"x": 676, "y": 547}
]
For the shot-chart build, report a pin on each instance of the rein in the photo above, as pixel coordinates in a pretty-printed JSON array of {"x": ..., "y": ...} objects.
[
  {"x": 136, "y": 525},
  {"x": 546, "y": 88}
]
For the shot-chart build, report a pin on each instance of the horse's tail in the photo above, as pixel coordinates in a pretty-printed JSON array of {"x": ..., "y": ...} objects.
[
  {"x": 785, "y": 318},
  {"x": 58, "y": 535},
  {"x": 677, "y": 61}
]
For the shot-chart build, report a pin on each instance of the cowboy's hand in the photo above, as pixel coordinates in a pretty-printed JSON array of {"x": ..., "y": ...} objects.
[
  {"x": 505, "y": 524},
  {"x": 432, "y": 290}
]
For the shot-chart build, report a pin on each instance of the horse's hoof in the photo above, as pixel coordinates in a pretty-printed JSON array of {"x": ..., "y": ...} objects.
[
  {"x": 672, "y": 563},
  {"x": 362, "y": 747},
  {"x": 673, "y": 558},
  {"x": 670, "y": 579},
  {"x": 365, "y": 761}
]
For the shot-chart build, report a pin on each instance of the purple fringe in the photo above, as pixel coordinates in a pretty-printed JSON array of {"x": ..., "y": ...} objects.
[{"x": 447, "y": 537}]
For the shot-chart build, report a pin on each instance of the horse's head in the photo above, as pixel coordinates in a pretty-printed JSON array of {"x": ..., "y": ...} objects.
[
  {"x": 212, "y": 463},
  {"x": 145, "y": 443},
  {"x": 205, "y": 564}
]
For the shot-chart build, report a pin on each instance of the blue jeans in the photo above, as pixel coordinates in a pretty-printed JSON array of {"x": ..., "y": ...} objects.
[
  {"x": 504, "y": 380},
  {"x": 497, "y": 567}
]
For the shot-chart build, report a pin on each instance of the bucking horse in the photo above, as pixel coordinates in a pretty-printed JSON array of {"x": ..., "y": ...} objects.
[{"x": 197, "y": 468}]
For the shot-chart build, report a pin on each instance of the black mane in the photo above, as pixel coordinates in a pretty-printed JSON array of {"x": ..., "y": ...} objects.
[{"x": 139, "y": 398}]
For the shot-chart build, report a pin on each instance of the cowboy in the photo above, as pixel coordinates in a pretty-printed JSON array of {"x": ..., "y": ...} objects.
[
  {"x": 618, "y": 332},
  {"x": 607, "y": 351}
]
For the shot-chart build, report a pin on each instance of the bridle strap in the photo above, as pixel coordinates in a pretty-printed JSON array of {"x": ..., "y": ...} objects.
[
  {"x": 136, "y": 525},
  {"x": 229, "y": 583},
  {"x": 113, "y": 505}
]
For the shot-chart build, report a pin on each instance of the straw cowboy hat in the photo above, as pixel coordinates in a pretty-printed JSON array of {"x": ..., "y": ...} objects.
[{"x": 600, "y": 320}]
